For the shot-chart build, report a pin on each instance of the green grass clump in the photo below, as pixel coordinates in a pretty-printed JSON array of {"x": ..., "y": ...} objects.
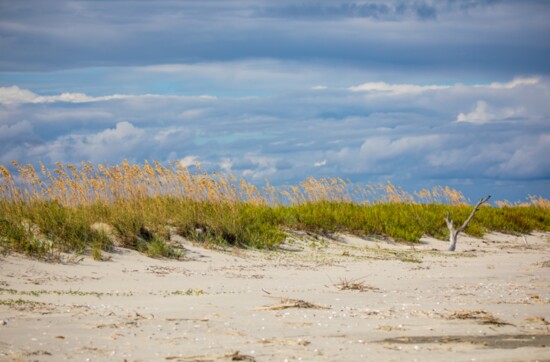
[
  {"x": 158, "y": 248},
  {"x": 43, "y": 216}
]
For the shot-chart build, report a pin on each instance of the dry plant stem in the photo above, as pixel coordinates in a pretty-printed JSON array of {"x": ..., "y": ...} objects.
[
  {"x": 292, "y": 303},
  {"x": 454, "y": 232}
]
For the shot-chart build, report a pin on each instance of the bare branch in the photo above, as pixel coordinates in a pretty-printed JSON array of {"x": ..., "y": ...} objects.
[
  {"x": 453, "y": 234},
  {"x": 479, "y": 203},
  {"x": 448, "y": 221}
]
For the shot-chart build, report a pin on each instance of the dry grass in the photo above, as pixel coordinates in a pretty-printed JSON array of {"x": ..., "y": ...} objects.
[
  {"x": 354, "y": 284},
  {"x": 89, "y": 184},
  {"x": 481, "y": 316},
  {"x": 51, "y": 211},
  {"x": 537, "y": 320},
  {"x": 286, "y": 303},
  {"x": 233, "y": 356}
]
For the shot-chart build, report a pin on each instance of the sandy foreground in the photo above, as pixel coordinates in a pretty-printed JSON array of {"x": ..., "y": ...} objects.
[{"x": 316, "y": 299}]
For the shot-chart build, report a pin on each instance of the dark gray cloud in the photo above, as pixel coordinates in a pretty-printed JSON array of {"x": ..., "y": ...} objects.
[{"x": 443, "y": 36}]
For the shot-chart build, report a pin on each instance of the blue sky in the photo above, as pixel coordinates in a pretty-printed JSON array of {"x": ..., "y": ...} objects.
[{"x": 420, "y": 93}]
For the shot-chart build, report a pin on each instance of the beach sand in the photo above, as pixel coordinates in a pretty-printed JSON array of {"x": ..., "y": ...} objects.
[{"x": 341, "y": 298}]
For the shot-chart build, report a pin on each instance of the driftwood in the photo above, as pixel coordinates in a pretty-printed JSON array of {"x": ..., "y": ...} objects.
[{"x": 454, "y": 232}]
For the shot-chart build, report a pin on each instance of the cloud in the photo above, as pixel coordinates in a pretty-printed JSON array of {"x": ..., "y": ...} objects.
[
  {"x": 317, "y": 10},
  {"x": 520, "y": 158},
  {"x": 192, "y": 113},
  {"x": 251, "y": 166},
  {"x": 60, "y": 115},
  {"x": 514, "y": 157},
  {"x": 383, "y": 154},
  {"x": 320, "y": 163},
  {"x": 124, "y": 131},
  {"x": 411, "y": 36},
  {"x": 15, "y": 95},
  {"x": 189, "y": 161},
  {"x": 15, "y": 131},
  {"x": 479, "y": 115},
  {"x": 398, "y": 89},
  {"x": 516, "y": 82},
  {"x": 376, "y": 10},
  {"x": 122, "y": 141},
  {"x": 379, "y": 148},
  {"x": 395, "y": 89},
  {"x": 426, "y": 12}
]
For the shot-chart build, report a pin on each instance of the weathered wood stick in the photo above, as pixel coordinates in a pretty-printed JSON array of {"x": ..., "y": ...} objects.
[{"x": 454, "y": 232}]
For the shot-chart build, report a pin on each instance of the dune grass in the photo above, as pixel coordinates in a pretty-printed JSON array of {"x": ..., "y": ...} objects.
[{"x": 51, "y": 212}]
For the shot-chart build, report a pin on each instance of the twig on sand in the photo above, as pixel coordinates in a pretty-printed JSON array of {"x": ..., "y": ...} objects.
[
  {"x": 292, "y": 303},
  {"x": 354, "y": 284},
  {"x": 479, "y": 315},
  {"x": 234, "y": 356}
]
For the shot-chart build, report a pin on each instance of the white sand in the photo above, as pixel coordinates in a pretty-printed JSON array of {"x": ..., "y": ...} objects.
[{"x": 405, "y": 312}]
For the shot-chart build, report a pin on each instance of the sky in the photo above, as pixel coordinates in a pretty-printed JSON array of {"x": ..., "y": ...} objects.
[{"x": 419, "y": 93}]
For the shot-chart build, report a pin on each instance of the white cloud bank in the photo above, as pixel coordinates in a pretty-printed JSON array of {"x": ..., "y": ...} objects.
[
  {"x": 481, "y": 114},
  {"x": 15, "y": 95},
  {"x": 516, "y": 82},
  {"x": 395, "y": 89},
  {"x": 401, "y": 89}
]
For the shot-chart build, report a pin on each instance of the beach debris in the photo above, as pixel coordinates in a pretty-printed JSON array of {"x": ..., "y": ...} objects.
[
  {"x": 354, "y": 284},
  {"x": 38, "y": 353},
  {"x": 481, "y": 316},
  {"x": 537, "y": 320},
  {"x": 285, "y": 341},
  {"x": 286, "y": 303},
  {"x": 232, "y": 356},
  {"x": 453, "y": 233},
  {"x": 388, "y": 328},
  {"x": 499, "y": 341},
  {"x": 175, "y": 319}
]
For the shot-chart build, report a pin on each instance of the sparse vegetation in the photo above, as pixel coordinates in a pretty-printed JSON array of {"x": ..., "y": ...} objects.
[
  {"x": 37, "y": 293},
  {"x": 481, "y": 316},
  {"x": 54, "y": 211},
  {"x": 355, "y": 284}
]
